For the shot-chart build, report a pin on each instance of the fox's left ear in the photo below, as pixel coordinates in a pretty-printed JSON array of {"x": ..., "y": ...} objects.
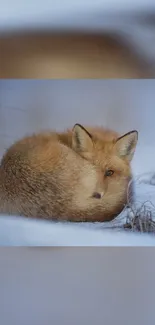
[
  {"x": 81, "y": 139},
  {"x": 126, "y": 145}
]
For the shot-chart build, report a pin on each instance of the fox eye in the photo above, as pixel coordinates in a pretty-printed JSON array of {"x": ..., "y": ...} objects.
[{"x": 109, "y": 172}]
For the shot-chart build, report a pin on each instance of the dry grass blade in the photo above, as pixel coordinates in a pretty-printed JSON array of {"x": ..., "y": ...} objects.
[{"x": 141, "y": 218}]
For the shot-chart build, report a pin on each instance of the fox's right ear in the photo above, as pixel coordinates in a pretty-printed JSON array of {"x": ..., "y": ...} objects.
[
  {"x": 126, "y": 145},
  {"x": 81, "y": 139}
]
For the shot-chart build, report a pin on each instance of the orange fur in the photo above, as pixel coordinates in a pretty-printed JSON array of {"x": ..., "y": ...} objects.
[{"x": 47, "y": 176}]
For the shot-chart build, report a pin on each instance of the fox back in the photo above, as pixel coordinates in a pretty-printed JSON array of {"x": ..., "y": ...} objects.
[{"x": 78, "y": 175}]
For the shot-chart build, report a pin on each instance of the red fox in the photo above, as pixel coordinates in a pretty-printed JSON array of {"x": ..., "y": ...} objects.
[{"x": 78, "y": 175}]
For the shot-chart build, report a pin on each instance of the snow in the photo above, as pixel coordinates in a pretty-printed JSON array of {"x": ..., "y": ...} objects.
[{"x": 15, "y": 231}]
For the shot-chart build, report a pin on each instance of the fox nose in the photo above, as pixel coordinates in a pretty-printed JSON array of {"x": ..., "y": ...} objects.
[{"x": 98, "y": 195}]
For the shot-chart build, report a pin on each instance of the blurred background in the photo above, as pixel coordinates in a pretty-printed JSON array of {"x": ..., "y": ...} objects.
[
  {"x": 77, "y": 39},
  {"x": 28, "y": 106},
  {"x": 77, "y": 286}
]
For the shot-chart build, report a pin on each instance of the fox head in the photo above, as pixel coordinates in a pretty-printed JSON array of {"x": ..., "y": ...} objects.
[{"x": 111, "y": 155}]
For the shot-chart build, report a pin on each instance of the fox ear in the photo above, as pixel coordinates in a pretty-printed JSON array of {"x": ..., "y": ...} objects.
[
  {"x": 81, "y": 139},
  {"x": 126, "y": 145}
]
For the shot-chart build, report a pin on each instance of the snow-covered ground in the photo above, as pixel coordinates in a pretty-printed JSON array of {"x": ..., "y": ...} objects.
[{"x": 15, "y": 231}]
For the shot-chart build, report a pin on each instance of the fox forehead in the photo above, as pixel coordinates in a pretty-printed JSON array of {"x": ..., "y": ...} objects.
[
  {"x": 104, "y": 155},
  {"x": 103, "y": 145}
]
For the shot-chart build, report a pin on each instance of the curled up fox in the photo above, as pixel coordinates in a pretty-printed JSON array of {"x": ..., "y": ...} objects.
[{"x": 81, "y": 174}]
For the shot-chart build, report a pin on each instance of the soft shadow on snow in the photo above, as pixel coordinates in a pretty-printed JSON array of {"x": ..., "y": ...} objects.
[{"x": 15, "y": 231}]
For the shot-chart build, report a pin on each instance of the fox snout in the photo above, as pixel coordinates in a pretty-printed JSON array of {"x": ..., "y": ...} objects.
[
  {"x": 100, "y": 189},
  {"x": 98, "y": 195}
]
